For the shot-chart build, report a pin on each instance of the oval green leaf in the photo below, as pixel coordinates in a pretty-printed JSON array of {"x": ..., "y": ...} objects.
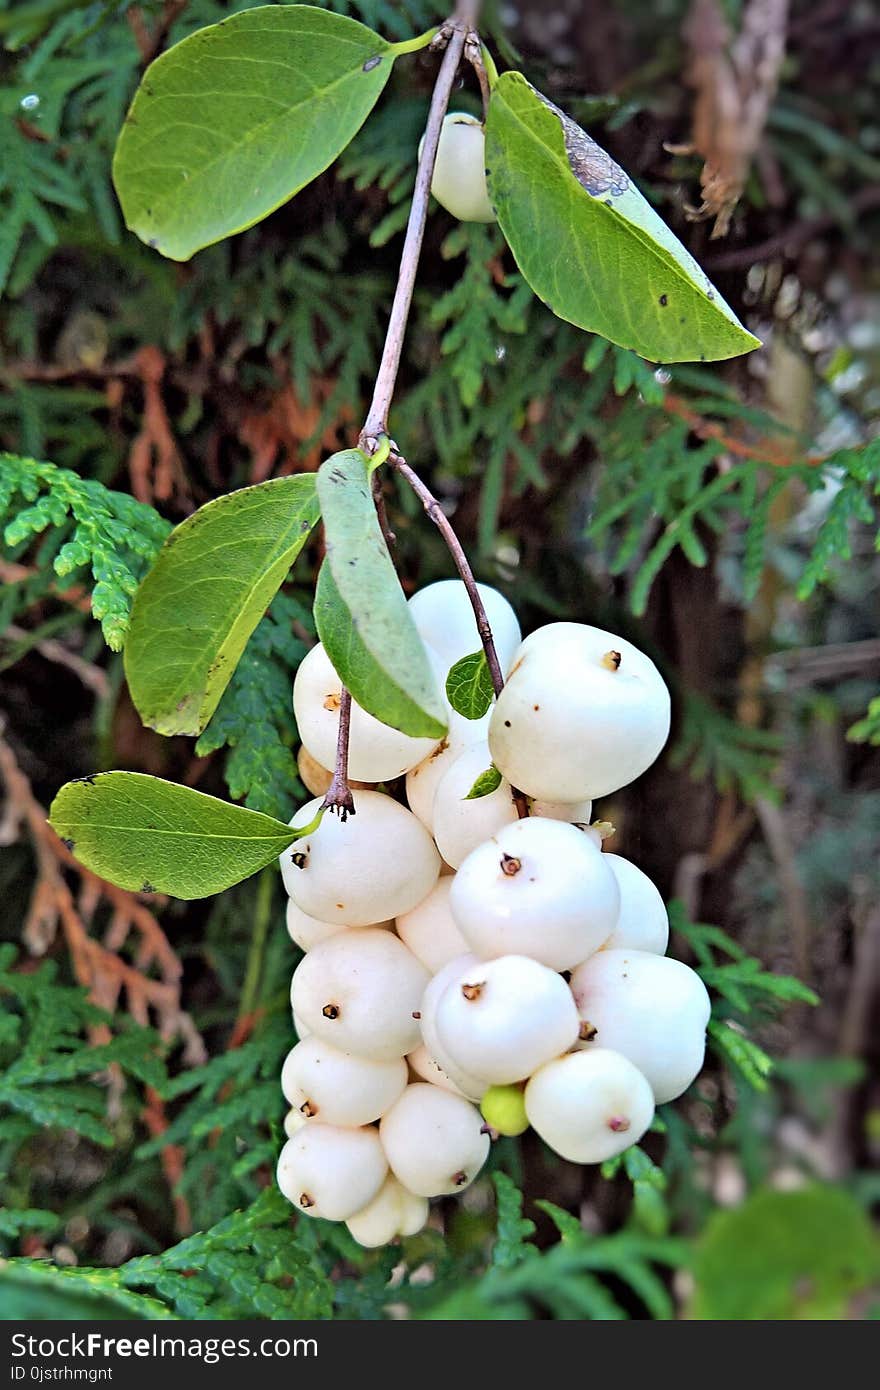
[
  {"x": 210, "y": 586},
  {"x": 469, "y": 687},
  {"x": 589, "y": 244},
  {"x": 234, "y": 120},
  {"x": 360, "y": 611},
  {"x": 148, "y": 836},
  {"x": 487, "y": 782}
]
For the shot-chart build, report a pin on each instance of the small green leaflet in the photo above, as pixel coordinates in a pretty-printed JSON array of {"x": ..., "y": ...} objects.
[
  {"x": 211, "y": 584},
  {"x": 238, "y": 117},
  {"x": 361, "y": 614},
  {"x": 147, "y": 835},
  {"x": 469, "y": 687},
  {"x": 487, "y": 782},
  {"x": 589, "y": 244}
]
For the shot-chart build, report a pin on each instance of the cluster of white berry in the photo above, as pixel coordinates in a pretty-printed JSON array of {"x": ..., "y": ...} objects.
[{"x": 458, "y": 955}]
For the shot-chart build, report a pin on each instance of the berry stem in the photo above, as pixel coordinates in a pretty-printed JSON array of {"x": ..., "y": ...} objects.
[{"x": 453, "y": 35}]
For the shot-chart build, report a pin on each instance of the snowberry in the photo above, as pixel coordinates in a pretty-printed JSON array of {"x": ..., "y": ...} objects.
[
  {"x": 364, "y": 869},
  {"x": 361, "y": 991},
  {"x": 305, "y": 931},
  {"x": 538, "y": 888},
  {"x": 315, "y": 778},
  {"x": 443, "y": 614},
  {"x": 643, "y": 924},
  {"x": 471, "y": 1086},
  {"x": 301, "y": 1028},
  {"x": 503, "y": 1018},
  {"x": 429, "y": 929},
  {"x": 504, "y": 1110},
  {"x": 578, "y": 813},
  {"x": 331, "y": 1172},
  {"x": 583, "y": 713},
  {"x": 338, "y": 1088},
  {"x": 652, "y": 1009},
  {"x": 377, "y": 753},
  {"x": 459, "y": 824},
  {"x": 393, "y": 1212},
  {"x": 459, "y": 179},
  {"x": 422, "y": 1067},
  {"x": 422, "y": 781},
  {"x": 589, "y": 1106},
  {"x": 433, "y": 1140}
]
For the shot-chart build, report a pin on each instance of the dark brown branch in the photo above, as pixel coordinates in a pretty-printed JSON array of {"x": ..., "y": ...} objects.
[{"x": 339, "y": 798}]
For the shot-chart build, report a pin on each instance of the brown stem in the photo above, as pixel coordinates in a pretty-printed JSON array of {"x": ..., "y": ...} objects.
[
  {"x": 339, "y": 798},
  {"x": 436, "y": 513},
  {"x": 453, "y": 34},
  {"x": 453, "y": 544}
]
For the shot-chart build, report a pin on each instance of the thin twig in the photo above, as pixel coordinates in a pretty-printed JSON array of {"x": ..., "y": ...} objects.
[
  {"x": 453, "y": 34},
  {"x": 339, "y": 798}
]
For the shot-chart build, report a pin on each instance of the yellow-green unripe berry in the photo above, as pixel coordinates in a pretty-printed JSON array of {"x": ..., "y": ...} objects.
[{"x": 504, "y": 1110}]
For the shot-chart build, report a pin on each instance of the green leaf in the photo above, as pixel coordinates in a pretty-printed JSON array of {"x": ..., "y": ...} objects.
[
  {"x": 210, "y": 586},
  {"x": 361, "y": 614},
  {"x": 487, "y": 782},
  {"x": 513, "y": 1229},
  {"x": 469, "y": 686},
  {"x": 147, "y": 835},
  {"x": 589, "y": 244},
  {"x": 785, "y": 1256},
  {"x": 234, "y": 120}
]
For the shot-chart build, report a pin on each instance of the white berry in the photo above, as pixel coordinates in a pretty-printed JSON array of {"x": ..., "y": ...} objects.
[
  {"x": 504, "y": 1018},
  {"x": 459, "y": 824},
  {"x": 471, "y": 1086},
  {"x": 305, "y": 931},
  {"x": 422, "y": 781},
  {"x": 433, "y": 1141},
  {"x": 652, "y": 1009},
  {"x": 443, "y": 614},
  {"x": 376, "y": 752},
  {"x": 583, "y": 713},
  {"x": 364, "y": 869},
  {"x": 429, "y": 929},
  {"x": 589, "y": 1106},
  {"x": 330, "y": 1172},
  {"x": 393, "y": 1212},
  {"x": 423, "y": 1067},
  {"x": 538, "y": 888},
  {"x": 459, "y": 179},
  {"x": 643, "y": 924},
  {"x": 338, "y": 1088},
  {"x": 361, "y": 991}
]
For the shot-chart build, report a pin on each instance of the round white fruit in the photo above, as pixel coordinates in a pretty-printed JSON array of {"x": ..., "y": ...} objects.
[
  {"x": 331, "y": 1172},
  {"x": 583, "y": 713},
  {"x": 459, "y": 179},
  {"x": 643, "y": 924},
  {"x": 361, "y": 991},
  {"x": 471, "y": 1086},
  {"x": 443, "y": 614},
  {"x": 393, "y": 1212},
  {"x": 364, "y": 869},
  {"x": 429, "y": 929},
  {"x": 423, "y": 1068},
  {"x": 538, "y": 888},
  {"x": 433, "y": 1141},
  {"x": 589, "y": 1106},
  {"x": 376, "y": 752},
  {"x": 461, "y": 824},
  {"x": 339, "y": 1088},
  {"x": 301, "y": 1028},
  {"x": 305, "y": 931},
  {"x": 579, "y": 813},
  {"x": 422, "y": 782},
  {"x": 504, "y": 1018},
  {"x": 652, "y": 1009},
  {"x": 293, "y": 1123}
]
